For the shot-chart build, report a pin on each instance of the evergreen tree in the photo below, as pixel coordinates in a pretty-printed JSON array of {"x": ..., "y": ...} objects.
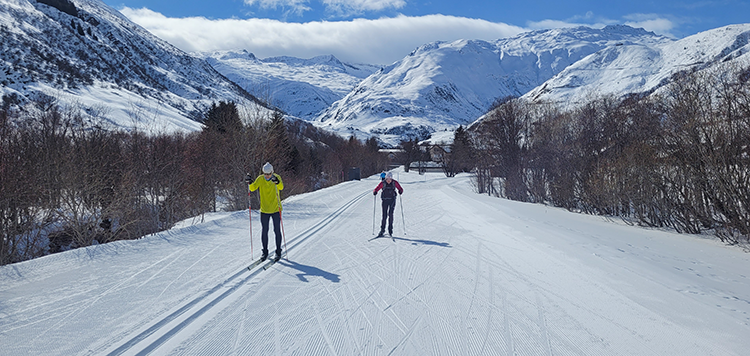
[{"x": 223, "y": 118}]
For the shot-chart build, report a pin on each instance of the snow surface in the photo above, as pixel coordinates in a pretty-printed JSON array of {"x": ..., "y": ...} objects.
[{"x": 465, "y": 274}]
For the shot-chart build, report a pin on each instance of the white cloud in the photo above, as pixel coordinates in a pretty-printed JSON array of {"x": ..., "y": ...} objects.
[
  {"x": 649, "y": 22},
  {"x": 347, "y": 7},
  {"x": 297, "y": 7},
  {"x": 588, "y": 19},
  {"x": 547, "y": 24},
  {"x": 339, "y": 7},
  {"x": 379, "y": 41}
]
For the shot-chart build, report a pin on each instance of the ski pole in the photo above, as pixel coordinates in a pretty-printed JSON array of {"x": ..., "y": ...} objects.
[
  {"x": 250, "y": 213},
  {"x": 373, "y": 213},
  {"x": 403, "y": 221},
  {"x": 281, "y": 222}
]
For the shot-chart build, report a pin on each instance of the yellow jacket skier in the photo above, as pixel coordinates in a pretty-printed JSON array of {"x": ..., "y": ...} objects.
[{"x": 269, "y": 184}]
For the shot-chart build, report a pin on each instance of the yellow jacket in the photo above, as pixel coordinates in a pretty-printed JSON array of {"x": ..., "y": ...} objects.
[{"x": 269, "y": 198}]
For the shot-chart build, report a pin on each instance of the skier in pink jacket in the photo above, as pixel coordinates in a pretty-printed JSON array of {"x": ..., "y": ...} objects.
[{"x": 389, "y": 187}]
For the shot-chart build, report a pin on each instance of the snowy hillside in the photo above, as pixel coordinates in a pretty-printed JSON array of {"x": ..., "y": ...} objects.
[
  {"x": 83, "y": 52},
  {"x": 300, "y": 87},
  {"x": 642, "y": 68},
  {"x": 466, "y": 274},
  {"x": 442, "y": 85}
]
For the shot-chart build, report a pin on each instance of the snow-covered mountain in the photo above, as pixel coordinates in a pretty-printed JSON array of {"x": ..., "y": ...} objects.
[
  {"x": 300, "y": 87},
  {"x": 442, "y": 85},
  {"x": 644, "y": 67},
  {"x": 83, "y": 52}
]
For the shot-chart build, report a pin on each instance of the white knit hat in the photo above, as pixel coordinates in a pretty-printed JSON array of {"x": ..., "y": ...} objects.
[
  {"x": 389, "y": 175},
  {"x": 267, "y": 168}
]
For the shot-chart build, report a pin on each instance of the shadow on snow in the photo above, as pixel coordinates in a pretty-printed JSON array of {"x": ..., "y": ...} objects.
[
  {"x": 310, "y": 271},
  {"x": 413, "y": 241}
]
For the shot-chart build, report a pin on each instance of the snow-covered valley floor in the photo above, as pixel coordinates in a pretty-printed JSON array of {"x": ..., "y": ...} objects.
[{"x": 467, "y": 275}]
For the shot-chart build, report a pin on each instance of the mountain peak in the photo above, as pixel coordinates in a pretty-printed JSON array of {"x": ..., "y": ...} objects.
[{"x": 627, "y": 30}]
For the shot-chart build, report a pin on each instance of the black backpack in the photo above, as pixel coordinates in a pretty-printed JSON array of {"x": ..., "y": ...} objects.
[{"x": 389, "y": 190}]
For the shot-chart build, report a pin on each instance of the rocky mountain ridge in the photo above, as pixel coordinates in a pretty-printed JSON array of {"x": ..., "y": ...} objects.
[{"x": 84, "y": 53}]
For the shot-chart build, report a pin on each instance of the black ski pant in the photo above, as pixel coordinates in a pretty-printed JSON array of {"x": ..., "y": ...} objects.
[
  {"x": 389, "y": 205},
  {"x": 276, "y": 229}
]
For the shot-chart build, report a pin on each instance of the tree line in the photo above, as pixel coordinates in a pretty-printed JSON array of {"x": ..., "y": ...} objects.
[
  {"x": 678, "y": 158},
  {"x": 69, "y": 181}
]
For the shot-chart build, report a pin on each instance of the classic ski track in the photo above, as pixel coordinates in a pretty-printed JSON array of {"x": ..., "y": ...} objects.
[
  {"x": 184, "y": 314},
  {"x": 184, "y": 251},
  {"x": 122, "y": 284},
  {"x": 91, "y": 301}
]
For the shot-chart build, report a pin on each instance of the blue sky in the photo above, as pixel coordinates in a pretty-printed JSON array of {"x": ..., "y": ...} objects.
[{"x": 384, "y": 31}]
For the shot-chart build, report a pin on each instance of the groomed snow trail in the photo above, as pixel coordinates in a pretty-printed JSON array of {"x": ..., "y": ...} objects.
[{"x": 467, "y": 275}]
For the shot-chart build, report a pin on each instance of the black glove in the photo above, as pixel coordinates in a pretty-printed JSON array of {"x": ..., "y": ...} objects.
[
  {"x": 374, "y": 193},
  {"x": 275, "y": 179},
  {"x": 248, "y": 179}
]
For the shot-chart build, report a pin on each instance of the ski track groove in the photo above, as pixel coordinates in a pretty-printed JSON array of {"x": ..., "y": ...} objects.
[
  {"x": 149, "y": 279},
  {"x": 99, "y": 297},
  {"x": 327, "y": 293},
  {"x": 187, "y": 269},
  {"x": 158, "y": 326}
]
